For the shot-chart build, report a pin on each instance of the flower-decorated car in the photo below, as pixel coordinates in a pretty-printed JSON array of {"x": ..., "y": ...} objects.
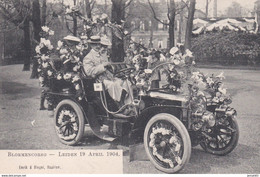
[{"x": 186, "y": 109}]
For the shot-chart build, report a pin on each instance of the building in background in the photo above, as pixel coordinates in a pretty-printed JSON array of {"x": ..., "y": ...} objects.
[{"x": 152, "y": 33}]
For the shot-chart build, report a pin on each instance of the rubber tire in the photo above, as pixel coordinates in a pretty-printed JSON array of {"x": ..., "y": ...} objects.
[
  {"x": 230, "y": 148},
  {"x": 81, "y": 125},
  {"x": 185, "y": 138}
]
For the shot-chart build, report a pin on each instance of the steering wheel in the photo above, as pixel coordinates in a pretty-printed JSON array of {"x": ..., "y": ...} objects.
[{"x": 123, "y": 72}]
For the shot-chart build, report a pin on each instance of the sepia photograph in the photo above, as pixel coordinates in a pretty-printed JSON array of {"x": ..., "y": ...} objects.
[{"x": 130, "y": 87}]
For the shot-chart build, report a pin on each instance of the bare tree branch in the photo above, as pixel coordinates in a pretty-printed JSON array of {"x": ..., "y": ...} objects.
[{"x": 154, "y": 14}]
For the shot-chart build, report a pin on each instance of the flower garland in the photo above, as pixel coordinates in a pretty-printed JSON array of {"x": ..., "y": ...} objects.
[
  {"x": 172, "y": 140},
  {"x": 64, "y": 114}
]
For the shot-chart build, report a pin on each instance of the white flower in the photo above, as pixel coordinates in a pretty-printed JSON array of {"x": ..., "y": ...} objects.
[
  {"x": 39, "y": 70},
  {"x": 209, "y": 80},
  {"x": 59, "y": 77},
  {"x": 174, "y": 50},
  {"x": 188, "y": 53},
  {"x": 95, "y": 18},
  {"x": 148, "y": 71},
  {"x": 137, "y": 67},
  {"x": 49, "y": 73},
  {"x": 60, "y": 44},
  {"x": 44, "y": 57},
  {"x": 67, "y": 76},
  {"x": 42, "y": 41},
  {"x": 80, "y": 98},
  {"x": 38, "y": 49},
  {"x": 50, "y": 47},
  {"x": 76, "y": 68},
  {"x": 135, "y": 59},
  {"x": 68, "y": 10},
  {"x": 63, "y": 51},
  {"x": 104, "y": 16},
  {"x": 162, "y": 57},
  {"x": 75, "y": 79},
  {"x": 45, "y": 64},
  {"x": 41, "y": 79},
  {"x": 196, "y": 75},
  {"x": 47, "y": 42},
  {"x": 221, "y": 76},
  {"x": 176, "y": 62},
  {"x": 77, "y": 87},
  {"x": 77, "y": 59},
  {"x": 45, "y": 29},
  {"x": 193, "y": 63},
  {"x": 222, "y": 90},
  {"x": 51, "y": 33},
  {"x": 171, "y": 67},
  {"x": 66, "y": 112},
  {"x": 172, "y": 75}
]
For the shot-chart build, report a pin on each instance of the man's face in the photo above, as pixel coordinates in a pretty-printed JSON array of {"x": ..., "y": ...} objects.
[
  {"x": 96, "y": 47},
  {"x": 103, "y": 49}
]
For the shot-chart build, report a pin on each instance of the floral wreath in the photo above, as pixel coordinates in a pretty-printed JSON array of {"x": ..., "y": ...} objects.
[{"x": 172, "y": 140}]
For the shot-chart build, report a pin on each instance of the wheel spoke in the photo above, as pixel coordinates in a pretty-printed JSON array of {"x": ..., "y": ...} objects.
[
  {"x": 225, "y": 133},
  {"x": 64, "y": 132}
]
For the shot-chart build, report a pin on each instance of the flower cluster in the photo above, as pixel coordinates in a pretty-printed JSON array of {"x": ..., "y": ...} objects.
[
  {"x": 201, "y": 86},
  {"x": 43, "y": 51}
]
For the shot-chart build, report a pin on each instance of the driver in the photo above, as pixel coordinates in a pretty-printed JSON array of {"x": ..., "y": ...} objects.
[{"x": 96, "y": 64}]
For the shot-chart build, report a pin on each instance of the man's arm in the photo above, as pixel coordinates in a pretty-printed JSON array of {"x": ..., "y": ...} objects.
[{"x": 91, "y": 68}]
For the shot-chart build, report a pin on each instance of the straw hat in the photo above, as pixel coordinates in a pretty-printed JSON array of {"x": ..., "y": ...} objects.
[
  {"x": 94, "y": 40},
  {"x": 72, "y": 38}
]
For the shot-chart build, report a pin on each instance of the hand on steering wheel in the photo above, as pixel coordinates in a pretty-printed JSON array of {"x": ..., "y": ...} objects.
[{"x": 123, "y": 72}]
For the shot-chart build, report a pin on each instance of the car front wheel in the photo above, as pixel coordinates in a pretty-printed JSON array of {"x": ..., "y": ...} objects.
[{"x": 167, "y": 143}]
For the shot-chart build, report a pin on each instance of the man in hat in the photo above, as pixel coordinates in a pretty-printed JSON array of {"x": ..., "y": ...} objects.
[{"x": 95, "y": 65}]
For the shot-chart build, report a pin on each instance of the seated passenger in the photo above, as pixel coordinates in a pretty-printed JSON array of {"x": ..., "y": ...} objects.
[{"x": 96, "y": 64}]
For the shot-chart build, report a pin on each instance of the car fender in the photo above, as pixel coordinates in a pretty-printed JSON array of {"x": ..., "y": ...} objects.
[{"x": 148, "y": 113}]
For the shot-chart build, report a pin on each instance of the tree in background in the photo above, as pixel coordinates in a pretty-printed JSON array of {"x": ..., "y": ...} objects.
[
  {"x": 18, "y": 12},
  {"x": 172, "y": 11},
  {"x": 118, "y": 18},
  {"x": 36, "y": 19},
  {"x": 234, "y": 10},
  {"x": 188, "y": 33}
]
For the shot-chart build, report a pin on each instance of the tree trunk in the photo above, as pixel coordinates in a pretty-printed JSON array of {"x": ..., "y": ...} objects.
[
  {"x": 171, "y": 24},
  {"x": 27, "y": 45},
  {"x": 75, "y": 23},
  {"x": 180, "y": 28},
  {"x": 207, "y": 8},
  {"x": 88, "y": 8},
  {"x": 44, "y": 12},
  {"x": 118, "y": 14},
  {"x": 171, "y": 34},
  {"x": 189, "y": 25},
  {"x": 151, "y": 33},
  {"x": 36, "y": 19}
]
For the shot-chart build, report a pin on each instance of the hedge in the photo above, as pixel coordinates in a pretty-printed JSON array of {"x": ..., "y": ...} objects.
[{"x": 227, "y": 47}]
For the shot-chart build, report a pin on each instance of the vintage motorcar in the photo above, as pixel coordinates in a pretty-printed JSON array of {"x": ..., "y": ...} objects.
[{"x": 162, "y": 119}]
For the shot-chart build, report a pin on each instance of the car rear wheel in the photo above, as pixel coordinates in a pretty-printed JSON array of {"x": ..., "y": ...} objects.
[{"x": 69, "y": 122}]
